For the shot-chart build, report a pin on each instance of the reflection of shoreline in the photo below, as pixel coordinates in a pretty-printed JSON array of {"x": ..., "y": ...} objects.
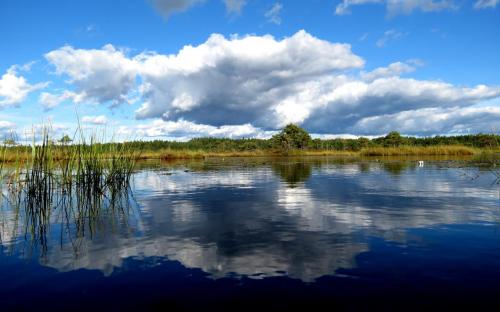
[{"x": 304, "y": 219}]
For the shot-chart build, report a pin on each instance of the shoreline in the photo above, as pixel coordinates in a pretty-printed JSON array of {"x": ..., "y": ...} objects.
[
  {"x": 365, "y": 152},
  {"x": 12, "y": 156}
]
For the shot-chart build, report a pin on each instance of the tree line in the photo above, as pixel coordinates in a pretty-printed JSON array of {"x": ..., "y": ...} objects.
[{"x": 293, "y": 137}]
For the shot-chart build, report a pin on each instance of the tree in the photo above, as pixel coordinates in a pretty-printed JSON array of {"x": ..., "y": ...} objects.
[
  {"x": 65, "y": 140},
  {"x": 291, "y": 137},
  {"x": 393, "y": 139}
]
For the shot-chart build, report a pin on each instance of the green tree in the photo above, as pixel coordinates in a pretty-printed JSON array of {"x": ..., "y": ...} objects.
[
  {"x": 291, "y": 137},
  {"x": 65, "y": 140},
  {"x": 393, "y": 139}
]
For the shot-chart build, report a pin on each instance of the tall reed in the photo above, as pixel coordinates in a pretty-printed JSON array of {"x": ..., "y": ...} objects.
[{"x": 78, "y": 178}]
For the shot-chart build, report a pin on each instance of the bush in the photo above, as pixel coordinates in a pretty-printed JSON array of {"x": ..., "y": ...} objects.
[{"x": 291, "y": 137}]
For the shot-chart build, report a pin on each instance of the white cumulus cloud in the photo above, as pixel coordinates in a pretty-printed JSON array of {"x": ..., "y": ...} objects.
[
  {"x": 7, "y": 128},
  {"x": 250, "y": 85},
  {"x": 432, "y": 121},
  {"x": 183, "y": 130},
  {"x": 238, "y": 80},
  {"x": 50, "y": 100},
  {"x": 394, "y": 69},
  {"x": 15, "y": 88},
  {"x": 100, "y": 75}
]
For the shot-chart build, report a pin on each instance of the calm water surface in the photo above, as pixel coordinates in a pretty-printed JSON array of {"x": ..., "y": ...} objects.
[{"x": 274, "y": 233}]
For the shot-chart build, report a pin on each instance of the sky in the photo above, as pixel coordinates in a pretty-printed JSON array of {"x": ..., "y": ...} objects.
[{"x": 177, "y": 69}]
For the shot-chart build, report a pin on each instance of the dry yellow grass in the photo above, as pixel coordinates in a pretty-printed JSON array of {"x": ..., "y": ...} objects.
[
  {"x": 166, "y": 154},
  {"x": 447, "y": 150},
  {"x": 199, "y": 154}
]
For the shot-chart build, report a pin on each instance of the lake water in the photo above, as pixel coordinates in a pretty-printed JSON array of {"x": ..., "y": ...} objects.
[{"x": 259, "y": 233}]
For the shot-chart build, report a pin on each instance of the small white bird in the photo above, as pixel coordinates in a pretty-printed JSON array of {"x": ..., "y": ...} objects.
[{"x": 420, "y": 163}]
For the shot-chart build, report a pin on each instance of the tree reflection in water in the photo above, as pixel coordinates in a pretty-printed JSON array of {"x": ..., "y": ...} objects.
[{"x": 293, "y": 173}]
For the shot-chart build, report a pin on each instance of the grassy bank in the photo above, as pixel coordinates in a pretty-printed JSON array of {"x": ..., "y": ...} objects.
[
  {"x": 13, "y": 155},
  {"x": 291, "y": 141},
  {"x": 373, "y": 151},
  {"x": 439, "y": 150},
  {"x": 445, "y": 150},
  {"x": 199, "y": 154}
]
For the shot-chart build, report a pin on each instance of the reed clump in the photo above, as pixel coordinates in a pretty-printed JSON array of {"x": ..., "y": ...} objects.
[
  {"x": 88, "y": 167},
  {"x": 79, "y": 177},
  {"x": 488, "y": 157}
]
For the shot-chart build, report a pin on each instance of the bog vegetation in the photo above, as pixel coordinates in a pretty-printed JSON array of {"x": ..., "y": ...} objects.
[
  {"x": 295, "y": 139},
  {"x": 78, "y": 179},
  {"x": 292, "y": 140}
]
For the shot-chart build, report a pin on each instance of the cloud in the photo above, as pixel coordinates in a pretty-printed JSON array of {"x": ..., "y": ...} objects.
[
  {"x": 268, "y": 83},
  {"x": 363, "y": 37},
  {"x": 35, "y": 132},
  {"x": 389, "y": 35},
  {"x": 432, "y": 121},
  {"x": 95, "y": 120},
  {"x": 273, "y": 14},
  {"x": 345, "y": 6},
  {"x": 183, "y": 130},
  {"x": 24, "y": 67},
  {"x": 354, "y": 101},
  {"x": 7, "y": 128},
  {"x": 398, "y": 7},
  {"x": 15, "y": 88},
  {"x": 484, "y": 4},
  {"x": 238, "y": 80},
  {"x": 50, "y": 100},
  {"x": 8, "y": 131},
  {"x": 169, "y": 7},
  {"x": 251, "y": 85},
  {"x": 104, "y": 75},
  {"x": 234, "y": 6},
  {"x": 394, "y": 69}
]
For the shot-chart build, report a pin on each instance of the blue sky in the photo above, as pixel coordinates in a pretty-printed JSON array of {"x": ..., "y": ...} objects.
[{"x": 175, "y": 69}]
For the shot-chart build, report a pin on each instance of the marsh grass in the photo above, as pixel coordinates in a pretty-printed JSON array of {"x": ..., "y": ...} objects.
[
  {"x": 79, "y": 179},
  {"x": 438, "y": 150},
  {"x": 491, "y": 160},
  {"x": 488, "y": 157},
  {"x": 447, "y": 150},
  {"x": 66, "y": 154}
]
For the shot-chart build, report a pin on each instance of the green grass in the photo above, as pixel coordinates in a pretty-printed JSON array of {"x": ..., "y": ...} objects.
[
  {"x": 37, "y": 174},
  {"x": 75, "y": 179},
  {"x": 488, "y": 157}
]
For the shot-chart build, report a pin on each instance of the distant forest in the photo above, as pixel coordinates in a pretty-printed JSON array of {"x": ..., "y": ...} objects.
[
  {"x": 301, "y": 140},
  {"x": 292, "y": 137}
]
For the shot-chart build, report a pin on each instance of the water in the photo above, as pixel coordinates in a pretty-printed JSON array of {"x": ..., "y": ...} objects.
[{"x": 274, "y": 233}]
